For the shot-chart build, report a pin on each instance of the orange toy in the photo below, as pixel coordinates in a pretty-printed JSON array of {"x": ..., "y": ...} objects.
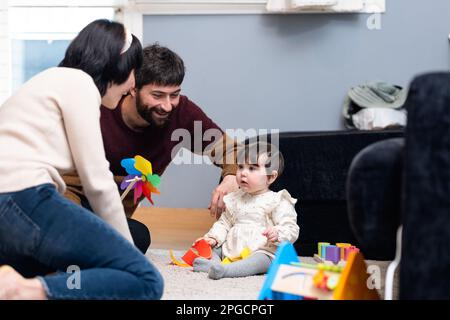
[
  {"x": 200, "y": 249},
  {"x": 353, "y": 283}
]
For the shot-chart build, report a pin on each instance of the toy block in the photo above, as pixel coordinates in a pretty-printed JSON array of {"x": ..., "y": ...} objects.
[
  {"x": 347, "y": 251},
  {"x": 353, "y": 281},
  {"x": 321, "y": 247},
  {"x": 342, "y": 246},
  {"x": 284, "y": 255},
  {"x": 333, "y": 254}
]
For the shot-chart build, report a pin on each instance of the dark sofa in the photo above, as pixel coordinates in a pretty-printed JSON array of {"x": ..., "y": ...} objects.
[
  {"x": 316, "y": 167},
  {"x": 414, "y": 174}
]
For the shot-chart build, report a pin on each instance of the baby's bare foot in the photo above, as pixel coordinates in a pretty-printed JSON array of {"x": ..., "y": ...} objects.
[
  {"x": 9, "y": 283},
  {"x": 15, "y": 287}
]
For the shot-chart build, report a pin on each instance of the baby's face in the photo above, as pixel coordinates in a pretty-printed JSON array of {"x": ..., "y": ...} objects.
[{"x": 252, "y": 178}]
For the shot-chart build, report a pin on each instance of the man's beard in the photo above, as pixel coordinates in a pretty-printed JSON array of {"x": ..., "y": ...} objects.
[{"x": 148, "y": 115}]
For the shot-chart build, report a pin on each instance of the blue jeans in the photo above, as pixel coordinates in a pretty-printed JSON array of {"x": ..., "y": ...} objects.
[
  {"x": 41, "y": 230},
  {"x": 139, "y": 231}
]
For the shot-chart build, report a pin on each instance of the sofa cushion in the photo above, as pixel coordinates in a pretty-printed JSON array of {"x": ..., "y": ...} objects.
[{"x": 374, "y": 205}]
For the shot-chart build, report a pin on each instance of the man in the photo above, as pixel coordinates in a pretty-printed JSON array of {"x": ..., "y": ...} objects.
[{"x": 144, "y": 123}]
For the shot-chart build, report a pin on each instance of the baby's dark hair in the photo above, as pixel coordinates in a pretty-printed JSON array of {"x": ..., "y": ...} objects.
[{"x": 251, "y": 152}]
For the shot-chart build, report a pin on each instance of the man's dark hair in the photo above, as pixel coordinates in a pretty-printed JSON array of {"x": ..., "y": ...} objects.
[
  {"x": 97, "y": 50},
  {"x": 161, "y": 66}
]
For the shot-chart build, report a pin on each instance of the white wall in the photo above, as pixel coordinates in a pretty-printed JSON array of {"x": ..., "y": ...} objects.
[
  {"x": 291, "y": 72},
  {"x": 5, "y": 55}
]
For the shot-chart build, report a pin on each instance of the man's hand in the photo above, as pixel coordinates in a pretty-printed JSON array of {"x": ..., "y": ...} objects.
[
  {"x": 271, "y": 234},
  {"x": 217, "y": 206},
  {"x": 211, "y": 241}
]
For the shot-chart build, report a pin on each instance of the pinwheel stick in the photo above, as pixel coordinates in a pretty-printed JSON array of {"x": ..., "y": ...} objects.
[{"x": 130, "y": 186}]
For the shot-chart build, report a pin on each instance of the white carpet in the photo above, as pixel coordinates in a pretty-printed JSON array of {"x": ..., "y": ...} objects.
[{"x": 184, "y": 284}]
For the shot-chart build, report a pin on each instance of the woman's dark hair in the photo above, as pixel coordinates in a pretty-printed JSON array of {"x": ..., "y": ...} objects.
[
  {"x": 97, "y": 50},
  {"x": 161, "y": 66}
]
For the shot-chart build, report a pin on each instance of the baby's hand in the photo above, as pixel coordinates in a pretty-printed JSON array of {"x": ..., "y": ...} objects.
[
  {"x": 271, "y": 234},
  {"x": 211, "y": 241}
]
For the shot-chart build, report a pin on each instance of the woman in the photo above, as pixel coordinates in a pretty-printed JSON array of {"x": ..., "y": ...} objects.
[{"x": 51, "y": 126}]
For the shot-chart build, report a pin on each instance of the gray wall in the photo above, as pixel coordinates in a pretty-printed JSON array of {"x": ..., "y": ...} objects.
[{"x": 291, "y": 72}]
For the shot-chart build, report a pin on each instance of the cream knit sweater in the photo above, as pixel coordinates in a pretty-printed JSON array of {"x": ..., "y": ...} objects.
[{"x": 51, "y": 126}]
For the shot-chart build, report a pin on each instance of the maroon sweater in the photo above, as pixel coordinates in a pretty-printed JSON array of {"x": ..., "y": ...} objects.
[{"x": 154, "y": 144}]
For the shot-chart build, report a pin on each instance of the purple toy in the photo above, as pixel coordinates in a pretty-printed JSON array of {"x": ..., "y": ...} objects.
[{"x": 333, "y": 254}]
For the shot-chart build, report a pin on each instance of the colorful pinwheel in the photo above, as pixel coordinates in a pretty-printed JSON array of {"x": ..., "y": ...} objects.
[{"x": 140, "y": 178}]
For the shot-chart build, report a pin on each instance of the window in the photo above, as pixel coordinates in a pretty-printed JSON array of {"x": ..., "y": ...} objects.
[
  {"x": 40, "y": 35},
  {"x": 29, "y": 57}
]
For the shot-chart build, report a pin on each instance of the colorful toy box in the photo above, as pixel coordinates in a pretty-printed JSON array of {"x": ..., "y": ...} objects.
[{"x": 289, "y": 279}]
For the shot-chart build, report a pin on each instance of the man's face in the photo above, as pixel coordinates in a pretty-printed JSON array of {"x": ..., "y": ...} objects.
[{"x": 155, "y": 103}]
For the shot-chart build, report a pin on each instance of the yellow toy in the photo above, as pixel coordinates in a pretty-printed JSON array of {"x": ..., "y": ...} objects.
[{"x": 244, "y": 254}]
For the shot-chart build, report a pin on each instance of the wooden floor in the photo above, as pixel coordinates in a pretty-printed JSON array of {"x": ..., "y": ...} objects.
[{"x": 174, "y": 228}]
